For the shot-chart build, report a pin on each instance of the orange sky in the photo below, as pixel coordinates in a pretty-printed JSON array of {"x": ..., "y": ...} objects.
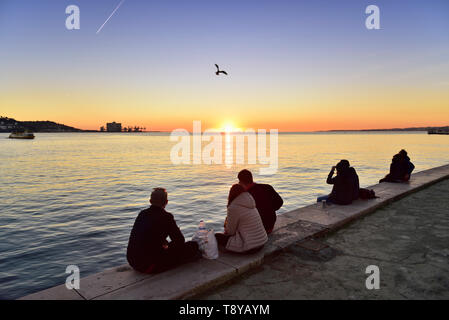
[{"x": 292, "y": 111}]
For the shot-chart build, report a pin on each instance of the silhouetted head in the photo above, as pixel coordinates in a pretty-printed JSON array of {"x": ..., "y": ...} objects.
[
  {"x": 403, "y": 153},
  {"x": 235, "y": 191},
  {"x": 245, "y": 177},
  {"x": 159, "y": 197},
  {"x": 397, "y": 158},
  {"x": 342, "y": 166}
]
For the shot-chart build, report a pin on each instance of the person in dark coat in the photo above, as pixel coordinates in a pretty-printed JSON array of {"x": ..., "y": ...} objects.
[
  {"x": 148, "y": 250},
  {"x": 268, "y": 201},
  {"x": 345, "y": 184},
  {"x": 355, "y": 183},
  {"x": 401, "y": 168}
]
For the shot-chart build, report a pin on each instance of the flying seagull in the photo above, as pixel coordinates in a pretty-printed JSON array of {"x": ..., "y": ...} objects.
[{"x": 220, "y": 71}]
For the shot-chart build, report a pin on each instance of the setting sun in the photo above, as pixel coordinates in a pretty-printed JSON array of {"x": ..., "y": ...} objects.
[{"x": 229, "y": 127}]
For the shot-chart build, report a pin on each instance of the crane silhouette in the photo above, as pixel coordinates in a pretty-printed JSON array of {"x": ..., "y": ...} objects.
[{"x": 220, "y": 71}]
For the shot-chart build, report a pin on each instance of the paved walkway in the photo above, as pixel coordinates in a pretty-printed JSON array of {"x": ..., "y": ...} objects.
[{"x": 195, "y": 278}]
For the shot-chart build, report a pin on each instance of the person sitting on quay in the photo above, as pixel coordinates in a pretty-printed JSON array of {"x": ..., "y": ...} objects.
[
  {"x": 345, "y": 184},
  {"x": 148, "y": 250},
  {"x": 268, "y": 201},
  {"x": 400, "y": 168},
  {"x": 244, "y": 230}
]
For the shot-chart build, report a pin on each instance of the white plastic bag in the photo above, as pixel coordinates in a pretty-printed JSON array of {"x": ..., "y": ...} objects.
[{"x": 206, "y": 241}]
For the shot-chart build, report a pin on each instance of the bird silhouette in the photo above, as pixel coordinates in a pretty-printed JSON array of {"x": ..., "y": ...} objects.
[{"x": 220, "y": 71}]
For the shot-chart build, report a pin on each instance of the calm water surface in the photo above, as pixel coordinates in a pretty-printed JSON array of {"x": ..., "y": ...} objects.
[{"x": 71, "y": 198}]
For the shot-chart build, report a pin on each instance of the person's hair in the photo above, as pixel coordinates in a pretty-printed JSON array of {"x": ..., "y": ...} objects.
[
  {"x": 245, "y": 176},
  {"x": 159, "y": 197},
  {"x": 343, "y": 165},
  {"x": 235, "y": 191},
  {"x": 403, "y": 153}
]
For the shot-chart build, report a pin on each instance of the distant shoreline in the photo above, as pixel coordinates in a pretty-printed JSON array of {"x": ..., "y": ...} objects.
[
  {"x": 391, "y": 129},
  {"x": 8, "y": 125},
  {"x": 243, "y": 133}
]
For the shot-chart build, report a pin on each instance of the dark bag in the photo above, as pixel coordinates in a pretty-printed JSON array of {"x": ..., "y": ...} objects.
[{"x": 366, "y": 194}]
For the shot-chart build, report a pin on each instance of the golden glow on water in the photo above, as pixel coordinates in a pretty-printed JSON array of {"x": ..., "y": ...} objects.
[{"x": 228, "y": 150}]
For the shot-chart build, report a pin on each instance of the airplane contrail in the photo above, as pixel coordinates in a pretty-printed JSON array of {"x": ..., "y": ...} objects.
[{"x": 121, "y": 2}]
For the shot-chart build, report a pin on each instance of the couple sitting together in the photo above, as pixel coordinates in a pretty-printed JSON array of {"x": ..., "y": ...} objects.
[
  {"x": 251, "y": 215},
  {"x": 400, "y": 169}
]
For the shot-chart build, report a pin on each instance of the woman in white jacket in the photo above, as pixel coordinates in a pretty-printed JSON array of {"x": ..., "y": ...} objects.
[{"x": 244, "y": 230}]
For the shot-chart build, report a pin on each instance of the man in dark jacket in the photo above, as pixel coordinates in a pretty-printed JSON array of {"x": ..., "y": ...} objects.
[
  {"x": 346, "y": 184},
  {"x": 268, "y": 201},
  {"x": 148, "y": 250}
]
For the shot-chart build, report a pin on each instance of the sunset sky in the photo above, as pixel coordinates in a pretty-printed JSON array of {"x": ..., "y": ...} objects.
[{"x": 293, "y": 65}]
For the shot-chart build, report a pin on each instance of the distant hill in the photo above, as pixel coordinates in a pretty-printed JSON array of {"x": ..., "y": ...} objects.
[
  {"x": 10, "y": 124},
  {"x": 394, "y": 129}
]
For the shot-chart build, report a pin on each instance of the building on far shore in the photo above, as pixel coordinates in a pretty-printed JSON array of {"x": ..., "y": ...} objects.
[
  {"x": 443, "y": 130},
  {"x": 117, "y": 127},
  {"x": 114, "y": 127}
]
